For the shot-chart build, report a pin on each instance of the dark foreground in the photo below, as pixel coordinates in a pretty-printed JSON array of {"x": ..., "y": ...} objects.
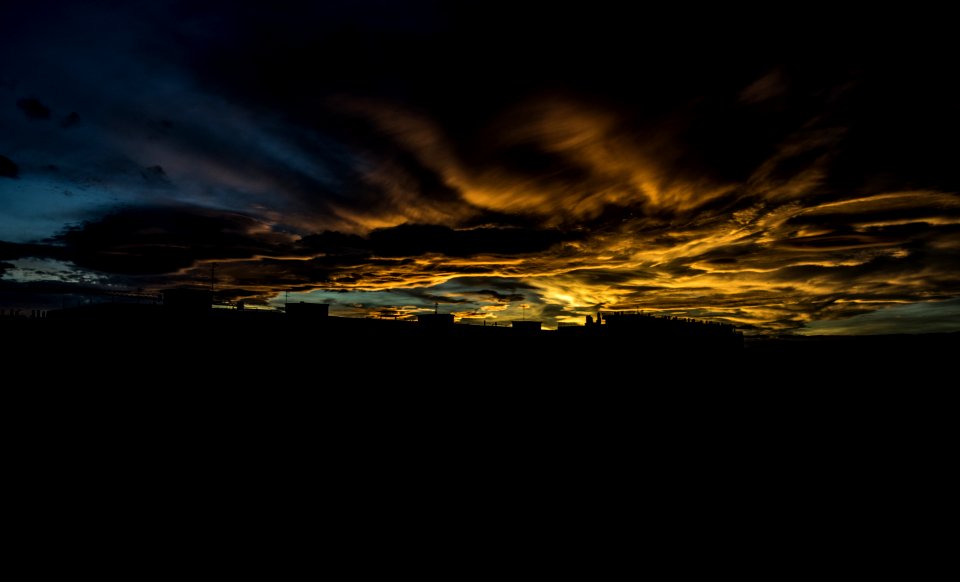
[
  {"x": 341, "y": 382},
  {"x": 337, "y": 354},
  {"x": 184, "y": 419}
]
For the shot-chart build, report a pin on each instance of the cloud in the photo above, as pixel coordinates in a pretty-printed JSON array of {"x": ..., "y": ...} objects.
[
  {"x": 143, "y": 241},
  {"x": 33, "y": 108},
  {"x": 385, "y": 158},
  {"x": 154, "y": 175},
  {"x": 768, "y": 86},
  {"x": 70, "y": 120},
  {"x": 499, "y": 297},
  {"x": 8, "y": 169},
  {"x": 418, "y": 239},
  {"x": 921, "y": 317}
]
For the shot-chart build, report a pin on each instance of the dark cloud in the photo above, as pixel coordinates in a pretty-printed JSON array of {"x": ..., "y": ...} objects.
[
  {"x": 143, "y": 241},
  {"x": 498, "y": 296},
  {"x": 598, "y": 276},
  {"x": 411, "y": 239},
  {"x": 426, "y": 297},
  {"x": 551, "y": 312},
  {"x": 33, "y": 108},
  {"x": 154, "y": 174},
  {"x": 9, "y": 250},
  {"x": 8, "y": 169},
  {"x": 71, "y": 120},
  {"x": 418, "y": 239}
]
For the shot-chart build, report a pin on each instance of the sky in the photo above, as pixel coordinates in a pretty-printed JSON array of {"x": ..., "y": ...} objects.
[{"x": 788, "y": 172}]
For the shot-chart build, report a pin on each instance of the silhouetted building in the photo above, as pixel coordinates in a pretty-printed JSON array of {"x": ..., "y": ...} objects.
[
  {"x": 307, "y": 311},
  {"x": 435, "y": 320},
  {"x": 568, "y": 330},
  {"x": 670, "y": 331},
  {"x": 188, "y": 300},
  {"x": 526, "y": 327},
  {"x": 114, "y": 313}
]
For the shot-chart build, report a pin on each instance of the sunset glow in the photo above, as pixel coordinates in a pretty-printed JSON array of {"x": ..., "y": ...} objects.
[{"x": 389, "y": 159}]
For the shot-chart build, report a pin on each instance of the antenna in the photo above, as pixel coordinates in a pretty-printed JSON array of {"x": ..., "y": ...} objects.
[{"x": 436, "y": 307}]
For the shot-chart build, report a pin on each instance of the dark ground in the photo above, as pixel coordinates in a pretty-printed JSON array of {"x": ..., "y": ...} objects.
[
  {"x": 256, "y": 349},
  {"x": 185, "y": 425}
]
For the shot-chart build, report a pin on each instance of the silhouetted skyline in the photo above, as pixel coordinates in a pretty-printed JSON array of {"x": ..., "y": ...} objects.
[
  {"x": 194, "y": 307},
  {"x": 184, "y": 334}
]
